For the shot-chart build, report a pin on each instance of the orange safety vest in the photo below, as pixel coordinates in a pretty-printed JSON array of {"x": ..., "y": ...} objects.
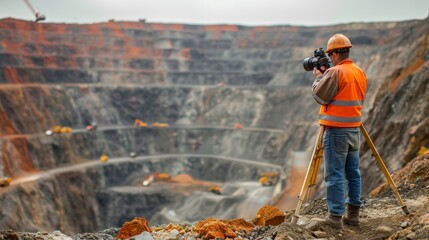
[{"x": 344, "y": 110}]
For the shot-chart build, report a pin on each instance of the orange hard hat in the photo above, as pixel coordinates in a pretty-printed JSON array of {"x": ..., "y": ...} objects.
[{"x": 338, "y": 41}]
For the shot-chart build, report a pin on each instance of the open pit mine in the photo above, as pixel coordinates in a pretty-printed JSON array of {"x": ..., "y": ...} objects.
[{"x": 173, "y": 123}]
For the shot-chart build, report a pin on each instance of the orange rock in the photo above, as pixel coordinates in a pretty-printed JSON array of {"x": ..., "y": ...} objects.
[
  {"x": 133, "y": 228},
  {"x": 212, "y": 228},
  {"x": 239, "y": 224},
  {"x": 269, "y": 216}
]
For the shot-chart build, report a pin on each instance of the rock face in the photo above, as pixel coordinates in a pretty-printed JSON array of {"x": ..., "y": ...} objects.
[
  {"x": 198, "y": 79},
  {"x": 399, "y": 120}
]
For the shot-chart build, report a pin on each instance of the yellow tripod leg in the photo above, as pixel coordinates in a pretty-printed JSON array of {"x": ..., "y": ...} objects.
[
  {"x": 311, "y": 175},
  {"x": 384, "y": 169}
]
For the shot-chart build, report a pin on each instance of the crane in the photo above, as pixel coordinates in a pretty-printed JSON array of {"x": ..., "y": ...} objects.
[{"x": 39, "y": 16}]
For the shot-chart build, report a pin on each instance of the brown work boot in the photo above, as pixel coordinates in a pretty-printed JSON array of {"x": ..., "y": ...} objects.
[
  {"x": 352, "y": 215},
  {"x": 330, "y": 220},
  {"x": 333, "y": 221}
]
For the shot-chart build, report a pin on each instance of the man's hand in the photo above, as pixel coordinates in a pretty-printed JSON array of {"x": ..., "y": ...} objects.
[{"x": 317, "y": 72}]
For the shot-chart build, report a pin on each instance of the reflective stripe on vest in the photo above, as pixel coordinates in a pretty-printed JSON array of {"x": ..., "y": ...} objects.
[
  {"x": 347, "y": 103},
  {"x": 340, "y": 119}
]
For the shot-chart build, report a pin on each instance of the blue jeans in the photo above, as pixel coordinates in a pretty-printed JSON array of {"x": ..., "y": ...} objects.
[{"x": 342, "y": 175}]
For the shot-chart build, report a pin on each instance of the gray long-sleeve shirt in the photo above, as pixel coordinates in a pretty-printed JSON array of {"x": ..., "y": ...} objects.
[{"x": 325, "y": 86}]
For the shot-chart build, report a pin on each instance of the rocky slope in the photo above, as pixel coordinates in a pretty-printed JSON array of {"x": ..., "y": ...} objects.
[{"x": 399, "y": 120}]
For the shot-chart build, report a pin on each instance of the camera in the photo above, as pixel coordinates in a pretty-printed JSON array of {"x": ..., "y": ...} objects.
[{"x": 320, "y": 59}]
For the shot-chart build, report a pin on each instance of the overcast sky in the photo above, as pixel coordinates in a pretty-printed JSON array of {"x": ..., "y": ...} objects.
[{"x": 244, "y": 12}]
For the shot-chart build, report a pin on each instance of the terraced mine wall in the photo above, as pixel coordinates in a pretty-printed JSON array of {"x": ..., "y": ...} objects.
[
  {"x": 94, "y": 197},
  {"x": 201, "y": 80}
]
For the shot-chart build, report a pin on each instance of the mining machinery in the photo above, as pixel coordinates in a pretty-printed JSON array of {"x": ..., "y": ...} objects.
[{"x": 38, "y": 15}]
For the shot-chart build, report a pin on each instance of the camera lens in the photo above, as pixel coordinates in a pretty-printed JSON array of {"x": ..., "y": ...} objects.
[{"x": 309, "y": 63}]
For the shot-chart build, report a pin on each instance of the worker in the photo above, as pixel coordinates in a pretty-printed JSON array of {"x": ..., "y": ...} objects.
[{"x": 340, "y": 90}]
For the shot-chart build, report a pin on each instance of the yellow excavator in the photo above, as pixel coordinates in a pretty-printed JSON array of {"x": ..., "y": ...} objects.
[
  {"x": 160, "y": 125},
  {"x": 215, "y": 189},
  {"x": 156, "y": 177},
  {"x": 66, "y": 130},
  {"x": 423, "y": 150},
  {"x": 140, "y": 123},
  {"x": 58, "y": 129},
  {"x": 104, "y": 157},
  {"x": 269, "y": 178},
  {"x": 5, "y": 181},
  {"x": 38, "y": 15}
]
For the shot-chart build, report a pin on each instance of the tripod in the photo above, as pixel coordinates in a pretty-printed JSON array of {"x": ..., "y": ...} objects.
[{"x": 313, "y": 168}]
